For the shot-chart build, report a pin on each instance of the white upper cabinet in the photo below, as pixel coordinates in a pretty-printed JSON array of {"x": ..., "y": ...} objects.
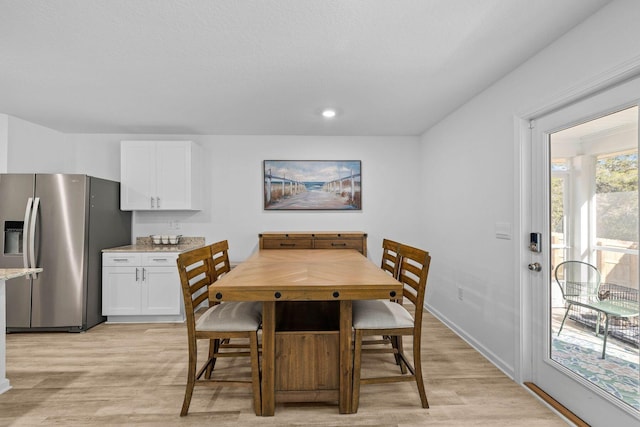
[{"x": 160, "y": 175}]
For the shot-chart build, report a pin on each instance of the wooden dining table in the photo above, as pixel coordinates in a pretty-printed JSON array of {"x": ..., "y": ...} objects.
[{"x": 307, "y": 297}]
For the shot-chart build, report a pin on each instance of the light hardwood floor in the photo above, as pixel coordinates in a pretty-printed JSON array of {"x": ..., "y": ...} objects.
[{"x": 136, "y": 375}]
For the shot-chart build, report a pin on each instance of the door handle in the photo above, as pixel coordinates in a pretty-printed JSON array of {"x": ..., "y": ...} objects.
[
  {"x": 25, "y": 237},
  {"x": 32, "y": 235},
  {"x": 535, "y": 266}
]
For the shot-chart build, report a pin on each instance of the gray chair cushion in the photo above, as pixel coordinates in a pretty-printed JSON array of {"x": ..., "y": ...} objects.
[
  {"x": 231, "y": 316},
  {"x": 380, "y": 314}
]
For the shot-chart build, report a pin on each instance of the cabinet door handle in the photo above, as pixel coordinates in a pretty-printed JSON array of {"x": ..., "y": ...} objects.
[
  {"x": 153, "y": 200},
  {"x": 160, "y": 259},
  {"x": 158, "y": 202},
  {"x": 144, "y": 275},
  {"x": 136, "y": 274}
]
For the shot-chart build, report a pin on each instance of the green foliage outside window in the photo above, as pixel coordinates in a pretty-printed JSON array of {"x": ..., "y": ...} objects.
[
  {"x": 617, "y": 197},
  {"x": 557, "y": 205}
]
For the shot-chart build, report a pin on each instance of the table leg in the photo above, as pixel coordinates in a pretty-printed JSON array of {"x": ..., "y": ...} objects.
[
  {"x": 606, "y": 333},
  {"x": 268, "y": 357},
  {"x": 346, "y": 357}
]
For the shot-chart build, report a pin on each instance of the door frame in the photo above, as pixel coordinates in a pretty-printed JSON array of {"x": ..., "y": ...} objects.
[{"x": 523, "y": 192}]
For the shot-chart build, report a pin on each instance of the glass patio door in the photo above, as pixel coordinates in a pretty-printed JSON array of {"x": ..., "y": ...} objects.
[{"x": 585, "y": 205}]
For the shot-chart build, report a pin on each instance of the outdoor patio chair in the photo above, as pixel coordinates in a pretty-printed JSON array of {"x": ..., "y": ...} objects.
[{"x": 579, "y": 283}]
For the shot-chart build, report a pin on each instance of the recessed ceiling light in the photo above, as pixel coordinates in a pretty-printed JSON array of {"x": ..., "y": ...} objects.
[{"x": 328, "y": 113}]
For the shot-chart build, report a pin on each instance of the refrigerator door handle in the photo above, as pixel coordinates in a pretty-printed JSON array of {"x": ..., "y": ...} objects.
[
  {"x": 27, "y": 219},
  {"x": 32, "y": 235}
]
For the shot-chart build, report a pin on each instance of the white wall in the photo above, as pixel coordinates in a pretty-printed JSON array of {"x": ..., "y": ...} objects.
[
  {"x": 96, "y": 155},
  {"x": 471, "y": 154},
  {"x": 4, "y": 142},
  {"x": 233, "y": 186},
  {"x": 32, "y": 147}
]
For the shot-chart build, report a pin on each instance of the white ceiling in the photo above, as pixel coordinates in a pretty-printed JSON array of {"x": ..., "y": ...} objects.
[
  {"x": 390, "y": 67},
  {"x": 623, "y": 121}
]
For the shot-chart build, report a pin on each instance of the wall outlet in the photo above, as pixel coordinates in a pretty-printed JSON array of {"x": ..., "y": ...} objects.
[
  {"x": 174, "y": 225},
  {"x": 460, "y": 294}
]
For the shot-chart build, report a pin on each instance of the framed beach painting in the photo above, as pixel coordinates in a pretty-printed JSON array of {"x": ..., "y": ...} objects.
[{"x": 312, "y": 185}]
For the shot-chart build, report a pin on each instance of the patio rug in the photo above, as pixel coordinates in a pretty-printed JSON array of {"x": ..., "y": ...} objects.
[{"x": 618, "y": 374}]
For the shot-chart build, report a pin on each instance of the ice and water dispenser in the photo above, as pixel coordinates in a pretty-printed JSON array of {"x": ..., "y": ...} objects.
[{"x": 13, "y": 232}]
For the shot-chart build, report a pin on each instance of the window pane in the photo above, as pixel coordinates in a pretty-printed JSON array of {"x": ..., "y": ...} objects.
[
  {"x": 558, "y": 213},
  {"x": 594, "y": 220},
  {"x": 616, "y": 197}
]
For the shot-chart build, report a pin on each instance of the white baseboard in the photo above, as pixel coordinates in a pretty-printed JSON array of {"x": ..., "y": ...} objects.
[{"x": 4, "y": 385}]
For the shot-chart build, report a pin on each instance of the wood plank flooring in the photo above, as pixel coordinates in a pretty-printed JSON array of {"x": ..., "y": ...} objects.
[{"x": 136, "y": 374}]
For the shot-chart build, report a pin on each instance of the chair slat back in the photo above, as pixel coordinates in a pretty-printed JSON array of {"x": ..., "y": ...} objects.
[
  {"x": 220, "y": 258},
  {"x": 196, "y": 275},
  {"x": 578, "y": 280},
  {"x": 390, "y": 257},
  {"x": 414, "y": 270}
]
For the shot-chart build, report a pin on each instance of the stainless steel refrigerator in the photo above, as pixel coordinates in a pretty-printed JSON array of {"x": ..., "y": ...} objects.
[{"x": 60, "y": 223}]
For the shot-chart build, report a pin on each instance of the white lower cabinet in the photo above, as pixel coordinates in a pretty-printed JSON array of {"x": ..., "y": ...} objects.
[{"x": 141, "y": 287}]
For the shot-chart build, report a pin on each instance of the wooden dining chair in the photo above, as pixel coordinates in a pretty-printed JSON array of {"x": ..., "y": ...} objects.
[
  {"x": 220, "y": 258},
  {"x": 221, "y": 266},
  {"x": 384, "y": 317},
  {"x": 390, "y": 258},
  {"x": 390, "y": 262},
  {"x": 198, "y": 269}
]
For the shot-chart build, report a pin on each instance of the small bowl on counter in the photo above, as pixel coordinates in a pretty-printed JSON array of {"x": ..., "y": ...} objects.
[{"x": 165, "y": 239}]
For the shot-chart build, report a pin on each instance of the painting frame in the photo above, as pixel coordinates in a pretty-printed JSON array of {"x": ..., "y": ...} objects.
[{"x": 312, "y": 185}]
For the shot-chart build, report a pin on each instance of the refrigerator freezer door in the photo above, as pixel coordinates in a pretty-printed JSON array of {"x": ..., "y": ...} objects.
[
  {"x": 59, "y": 292},
  {"x": 15, "y": 192}
]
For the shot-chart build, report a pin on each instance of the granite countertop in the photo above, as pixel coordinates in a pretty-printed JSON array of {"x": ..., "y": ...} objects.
[
  {"x": 12, "y": 273},
  {"x": 144, "y": 244}
]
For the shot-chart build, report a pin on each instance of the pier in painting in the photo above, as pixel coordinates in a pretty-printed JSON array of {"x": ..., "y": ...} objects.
[{"x": 312, "y": 185}]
